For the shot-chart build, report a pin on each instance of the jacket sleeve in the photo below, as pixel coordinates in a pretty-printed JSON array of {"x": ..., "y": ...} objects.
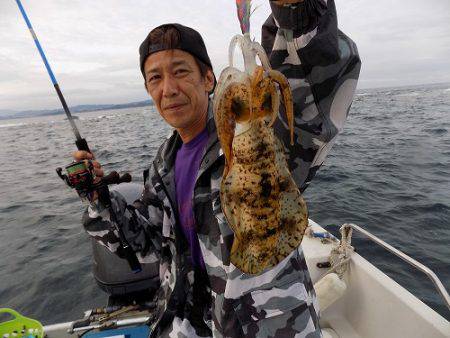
[
  {"x": 322, "y": 66},
  {"x": 141, "y": 223}
]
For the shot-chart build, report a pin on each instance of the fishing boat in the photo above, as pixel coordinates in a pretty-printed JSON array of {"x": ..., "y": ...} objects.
[{"x": 356, "y": 299}]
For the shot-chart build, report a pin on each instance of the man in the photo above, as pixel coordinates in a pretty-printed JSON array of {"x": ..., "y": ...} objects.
[{"x": 178, "y": 223}]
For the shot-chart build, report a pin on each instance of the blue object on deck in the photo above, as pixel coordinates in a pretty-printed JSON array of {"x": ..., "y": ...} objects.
[
  {"x": 322, "y": 235},
  {"x": 126, "y": 332}
]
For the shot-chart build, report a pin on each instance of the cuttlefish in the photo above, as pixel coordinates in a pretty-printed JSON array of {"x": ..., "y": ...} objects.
[{"x": 259, "y": 197}]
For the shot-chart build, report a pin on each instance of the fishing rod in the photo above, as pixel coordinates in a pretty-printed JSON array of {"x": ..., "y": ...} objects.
[
  {"x": 81, "y": 175},
  {"x": 80, "y": 142}
]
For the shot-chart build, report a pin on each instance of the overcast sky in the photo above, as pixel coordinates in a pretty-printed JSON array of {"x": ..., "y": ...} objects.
[{"x": 92, "y": 46}]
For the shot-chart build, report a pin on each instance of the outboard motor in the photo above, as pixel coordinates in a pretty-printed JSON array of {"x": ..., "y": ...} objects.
[{"x": 112, "y": 273}]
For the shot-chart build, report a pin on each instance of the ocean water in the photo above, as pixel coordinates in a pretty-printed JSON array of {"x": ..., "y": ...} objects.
[{"x": 389, "y": 172}]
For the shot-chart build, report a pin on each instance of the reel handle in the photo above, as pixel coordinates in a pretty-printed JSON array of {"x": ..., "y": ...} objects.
[
  {"x": 114, "y": 178},
  {"x": 102, "y": 187}
]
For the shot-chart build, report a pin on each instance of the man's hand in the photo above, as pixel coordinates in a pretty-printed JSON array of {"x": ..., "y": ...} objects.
[
  {"x": 84, "y": 155},
  {"x": 81, "y": 155}
]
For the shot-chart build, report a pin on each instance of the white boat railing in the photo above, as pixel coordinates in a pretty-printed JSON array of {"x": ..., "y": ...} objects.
[{"x": 426, "y": 270}]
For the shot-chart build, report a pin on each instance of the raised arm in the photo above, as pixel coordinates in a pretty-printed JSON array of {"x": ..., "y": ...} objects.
[{"x": 322, "y": 65}]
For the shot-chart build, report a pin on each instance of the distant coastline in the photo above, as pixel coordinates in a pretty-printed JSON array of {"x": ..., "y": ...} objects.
[
  {"x": 8, "y": 114},
  {"x": 76, "y": 109}
]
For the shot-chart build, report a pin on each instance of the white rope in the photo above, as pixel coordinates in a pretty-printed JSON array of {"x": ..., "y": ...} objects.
[{"x": 341, "y": 254}]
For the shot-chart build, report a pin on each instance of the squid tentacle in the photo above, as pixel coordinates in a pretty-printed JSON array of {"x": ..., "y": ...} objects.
[
  {"x": 287, "y": 97},
  {"x": 275, "y": 104},
  {"x": 261, "y": 53},
  {"x": 236, "y": 40},
  {"x": 226, "y": 126},
  {"x": 226, "y": 114},
  {"x": 228, "y": 75}
]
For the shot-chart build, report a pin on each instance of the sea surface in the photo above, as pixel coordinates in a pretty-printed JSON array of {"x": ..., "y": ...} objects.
[{"x": 389, "y": 172}]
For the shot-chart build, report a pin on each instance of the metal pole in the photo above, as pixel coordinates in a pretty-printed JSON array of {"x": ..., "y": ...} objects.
[{"x": 426, "y": 270}]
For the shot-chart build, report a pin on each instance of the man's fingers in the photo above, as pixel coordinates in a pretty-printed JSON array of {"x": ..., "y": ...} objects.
[
  {"x": 98, "y": 172},
  {"x": 98, "y": 169},
  {"x": 82, "y": 155}
]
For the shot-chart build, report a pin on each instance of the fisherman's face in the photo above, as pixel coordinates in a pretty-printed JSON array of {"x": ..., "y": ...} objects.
[{"x": 178, "y": 89}]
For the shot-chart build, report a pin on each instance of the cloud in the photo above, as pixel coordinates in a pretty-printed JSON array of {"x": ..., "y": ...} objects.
[
  {"x": 92, "y": 45},
  {"x": 400, "y": 43}
]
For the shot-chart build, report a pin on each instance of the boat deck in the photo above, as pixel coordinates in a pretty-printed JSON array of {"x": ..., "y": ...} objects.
[{"x": 372, "y": 306}]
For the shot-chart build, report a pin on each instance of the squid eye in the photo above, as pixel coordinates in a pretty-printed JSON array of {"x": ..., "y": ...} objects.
[
  {"x": 237, "y": 106},
  {"x": 267, "y": 102}
]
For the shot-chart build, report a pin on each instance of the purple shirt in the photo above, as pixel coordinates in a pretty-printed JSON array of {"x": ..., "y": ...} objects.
[{"x": 187, "y": 163}]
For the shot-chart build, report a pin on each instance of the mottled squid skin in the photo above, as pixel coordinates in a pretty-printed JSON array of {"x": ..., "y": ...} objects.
[
  {"x": 261, "y": 201},
  {"x": 259, "y": 198}
]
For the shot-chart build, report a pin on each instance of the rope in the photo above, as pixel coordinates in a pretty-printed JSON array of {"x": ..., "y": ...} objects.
[{"x": 341, "y": 254}]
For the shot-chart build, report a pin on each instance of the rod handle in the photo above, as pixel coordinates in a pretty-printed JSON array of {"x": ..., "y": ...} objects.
[
  {"x": 131, "y": 258},
  {"x": 82, "y": 145}
]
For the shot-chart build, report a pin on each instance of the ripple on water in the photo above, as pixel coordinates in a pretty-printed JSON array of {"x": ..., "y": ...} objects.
[
  {"x": 388, "y": 172},
  {"x": 11, "y": 208},
  {"x": 436, "y": 131}
]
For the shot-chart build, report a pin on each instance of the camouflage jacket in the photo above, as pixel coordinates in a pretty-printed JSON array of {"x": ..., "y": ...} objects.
[{"x": 322, "y": 66}]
